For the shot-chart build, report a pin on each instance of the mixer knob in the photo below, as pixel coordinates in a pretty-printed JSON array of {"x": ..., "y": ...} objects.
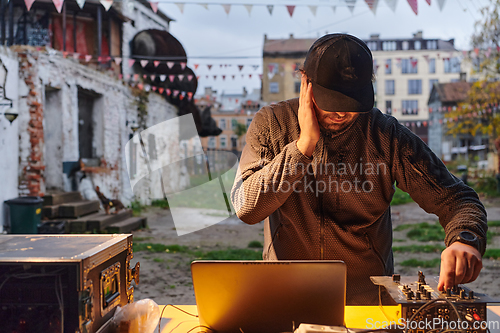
[
  {"x": 448, "y": 292},
  {"x": 417, "y": 295},
  {"x": 471, "y": 294}
]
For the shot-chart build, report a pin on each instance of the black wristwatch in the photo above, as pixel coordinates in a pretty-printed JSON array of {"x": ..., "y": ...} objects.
[{"x": 467, "y": 237}]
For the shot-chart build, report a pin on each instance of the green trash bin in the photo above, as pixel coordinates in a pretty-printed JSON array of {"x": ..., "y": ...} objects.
[{"x": 25, "y": 214}]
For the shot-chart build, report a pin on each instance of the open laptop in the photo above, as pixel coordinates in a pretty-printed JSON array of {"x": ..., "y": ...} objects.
[{"x": 268, "y": 296}]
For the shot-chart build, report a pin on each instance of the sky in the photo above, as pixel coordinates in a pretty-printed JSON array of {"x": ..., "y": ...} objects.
[{"x": 212, "y": 37}]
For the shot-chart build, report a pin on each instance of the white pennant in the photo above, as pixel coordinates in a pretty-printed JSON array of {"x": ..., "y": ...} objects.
[
  {"x": 181, "y": 77},
  {"x": 441, "y": 4},
  {"x": 350, "y": 4},
  {"x": 144, "y": 63},
  {"x": 249, "y": 9},
  {"x": 59, "y": 5},
  {"x": 106, "y": 4},
  {"x": 181, "y": 7},
  {"x": 204, "y": 5},
  {"x": 80, "y": 3},
  {"x": 28, "y": 3},
  {"x": 270, "y": 75},
  {"x": 227, "y": 8},
  {"x": 391, "y": 4},
  {"x": 313, "y": 9},
  {"x": 372, "y": 4},
  {"x": 163, "y": 77},
  {"x": 170, "y": 64},
  {"x": 154, "y": 6},
  {"x": 270, "y": 9}
]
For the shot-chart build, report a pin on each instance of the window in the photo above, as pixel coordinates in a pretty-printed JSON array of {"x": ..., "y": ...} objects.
[
  {"x": 388, "y": 66},
  {"x": 274, "y": 87},
  {"x": 432, "y": 66},
  {"x": 388, "y": 107},
  {"x": 406, "y": 45},
  {"x": 389, "y": 87},
  {"x": 297, "y": 87},
  {"x": 389, "y": 46},
  {"x": 222, "y": 141},
  {"x": 249, "y": 121},
  {"x": 222, "y": 124},
  {"x": 432, "y": 45},
  {"x": 234, "y": 123},
  {"x": 431, "y": 83},
  {"x": 414, "y": 87},
  {"x": 211, "y": 142},
  {"x": 372, "y": 45},
  {"x": 409, "y": 107},
  {"x": 234, "y": 142},
  {"x": 451, "y": 65},
  {"x": 409, "y": 66},
  {"x": 417, "y": 45}
]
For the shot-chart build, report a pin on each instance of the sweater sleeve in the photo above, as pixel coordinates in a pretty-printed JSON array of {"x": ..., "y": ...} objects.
[
  {"x": 265, "y": 176},
  {"x": 420, "y": 173}
]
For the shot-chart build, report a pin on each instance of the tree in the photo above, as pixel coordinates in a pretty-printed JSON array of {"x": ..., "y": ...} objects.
[{"x": 479, "y": 113}]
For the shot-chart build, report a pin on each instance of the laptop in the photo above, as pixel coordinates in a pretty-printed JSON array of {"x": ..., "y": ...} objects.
[{"x": 268, "y": 296}]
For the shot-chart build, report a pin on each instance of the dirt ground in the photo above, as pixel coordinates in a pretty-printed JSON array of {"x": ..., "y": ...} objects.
[{"x": 166, "y": 278}]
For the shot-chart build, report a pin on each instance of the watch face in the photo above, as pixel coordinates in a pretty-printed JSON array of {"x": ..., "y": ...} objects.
[{"x": 468, "y": 236}]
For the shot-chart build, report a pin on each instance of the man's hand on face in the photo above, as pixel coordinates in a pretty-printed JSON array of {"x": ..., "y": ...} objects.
[
  {"x": 460, "y": 263},
  {"x": 309, "y": 128}
]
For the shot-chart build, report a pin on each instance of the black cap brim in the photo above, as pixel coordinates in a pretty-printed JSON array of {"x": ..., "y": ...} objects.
[{"x": 361, "y": 100}]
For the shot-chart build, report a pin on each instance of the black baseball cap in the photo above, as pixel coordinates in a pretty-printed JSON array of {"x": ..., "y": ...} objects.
[{"x": 340, "y": 67}]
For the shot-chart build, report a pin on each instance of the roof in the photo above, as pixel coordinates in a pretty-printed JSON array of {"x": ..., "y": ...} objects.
[
  {"x": 453, "y": 91},
  {"x": 287, "y": 46}
]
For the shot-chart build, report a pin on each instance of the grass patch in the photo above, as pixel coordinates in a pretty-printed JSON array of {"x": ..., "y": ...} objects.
[
  {"x": 490, "y": 235},
  {"x": 399, "y": 240},
  {"x": 492, "y": 254},
  {"x": 402, "y": 227},
  {"x": 400, "y": 197},
  {"x": 141, "y": 239},
  {"x": 231, "y": 254},
  {"x": 162, "y": 203},
  {"x": 425, "y": 232},
  {"x": 422, "y": 263},
  {"x": 493, "y": 223},
  {"x": 158, "y": 260},
  {"x": 255, "y": 244},
  {"x": 155, "y": 248},
  {"x": 136, "y": 207},
  {"x": 419, "y": 248}
]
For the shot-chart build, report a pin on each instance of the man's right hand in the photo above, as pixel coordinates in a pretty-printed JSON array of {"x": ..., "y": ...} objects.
[{"x": 309, "y": 127}]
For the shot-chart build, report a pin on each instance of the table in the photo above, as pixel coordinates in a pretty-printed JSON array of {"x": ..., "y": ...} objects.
[{"x": 175, "y": 321}]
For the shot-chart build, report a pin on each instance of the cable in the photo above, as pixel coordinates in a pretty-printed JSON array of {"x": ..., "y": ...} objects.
[
  {"x": 203, "y": 326},
  {"x": 175, "y": 307}
]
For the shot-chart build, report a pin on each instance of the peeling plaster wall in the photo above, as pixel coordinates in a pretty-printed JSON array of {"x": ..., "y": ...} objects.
[
  {"x": 58, "y": 82},
  {"x": 9, "y": 143}
]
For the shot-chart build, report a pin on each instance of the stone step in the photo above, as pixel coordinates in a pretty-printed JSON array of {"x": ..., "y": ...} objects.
[
  {"x": 50, "y": 212},
  {"x": 98, "y": 222},
  {"x": 126, "y": 226},
  {"x": 60, "y": 198},
  {"x": 78, "y": 209},
  {"x": 54, "y": 227},
  {"x": 77, "y": 226}
]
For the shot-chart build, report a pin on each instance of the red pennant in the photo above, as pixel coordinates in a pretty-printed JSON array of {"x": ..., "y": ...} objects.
[
  {"x": 250, "y": 76},
  {"x": 291, "y": 9},
  {"x": 154, "y": 6},
  {"x": 190, "y": 77},
  {"x": 181, "y": 96},
  {"x": 169, "y": 92},
  {"x": 59, "y": 4},
  {"x": 183, "y": 65},
  {"x": 161, "y": 90},
  {"x": 176, "y": 92},
  {"x": 209, "y": 67},
  {"x": 223, "y": 77},
  {"x": 88, "y": 57},
  {"x": 171, "y": 78},
  {"x": 152, "y": 77},
  {"x": 198, "y": 77},
  {"x": 140, "y": 86},
  {"x": 120, "y": 76},
  {"x": 215, "y": 76},
  {"x": 190, "y": 95},
  {"x": 156, "y": 63},
  {"x": 65, "y": 54},
  {"x": 196, "y": 66},
  {"x": 429, "y": 2},
  {"x": 414, "y": 6},
  {"x": 136, "y": 77},
  {"x": 144, "y": 76},
  {"x": 154, "y": 88},
  {"x": 240, "y": 67},
  {"x": 233, "y": 77}
]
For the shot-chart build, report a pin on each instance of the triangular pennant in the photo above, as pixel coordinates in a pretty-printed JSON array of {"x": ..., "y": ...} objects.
[
  {"x": 233, "y": 76},
  {"x": 136, "y": 77},
  {"x": 58, "y": 4},
  {"x": 127, "y": 77},
  {"x": 131, "y": 62},
  {"x": 140, "y": 86},
  {"x": 227, "y": 8},
  {"x": 223, "y": 77},
  {"x": 163, "y": 77},
  {"x": 249, "y": 9},
  {"x": 65, "y": 54},
  {"x": 181, "y": 95},
  {"x": 190, "y": 95},
  {"x": 118, "y": 60},
  {"x": 152, "y": 77},
  {"x": 181, "y": 77},
  {"x": 215, "y": 77},
  {"x": 196, "y": 66},
  {"x": 106, "y": 4},
  {"x": 350, "y": 4},
  {"x": 153, "y": 88},
  {"x": 120, "y": 76},
  {"x": 190, "y": 77},
  {"x": 161, "y": 90},
  {"x": 313, "y": 9},
  {"x": 154, "y": 6},
  {"x": 170, "y": 64},
  {"x": 28, "y": 3},
  {"x": 204, "y": 5},
  {"x": 80, "y": 3},
  {"x": 181, "y": 7},
  {"x": 428, "y": 1},
  {"x": 260, "y": 76},
  {"x": 270, "y": 9},
  {"x": 88, "y": 57},
  {"x": 176, "y": 92},
  {"x": 144, "y": 76},
  {"x": 414, "y": 6},
  {"x": 290, "y": 10},
  {"x": 169, "y": 92},
  {"x": 249, "y": 76},
  {"x": 171, "y": 78},
  {"x": 209, "y": 67},
  {"x": 156, "y": 63},
  {"x": 240, "y": 67},
  {"x": 426, "y": 57},
  {"x": 372, "y": 4},
  {"x": 255, "y": 67},
  {"x": 270, "y": 75},
  {"x": 144, "y": 63},
  {"x": 441, "y": 4},
  {"x": 391, "y": 4},
  {"x": 76, "y": 56},
  {"x": 183, "y": 65}
]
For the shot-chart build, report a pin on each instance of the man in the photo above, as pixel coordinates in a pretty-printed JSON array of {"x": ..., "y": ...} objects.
[{"x": 321, "y": 170}]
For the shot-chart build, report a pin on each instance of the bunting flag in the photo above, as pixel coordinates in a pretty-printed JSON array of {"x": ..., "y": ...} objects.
[
  {"x": 169, "y": 92},
  {"x": 171, "y": 78},
  {"x": 88, "y": 58},
  {"x": 204, "y": 5},
  {"x": 58, "y": 4},
  {"x": 414, "y": 6},
  {"x": 290, "y": 10},
  {"x": 255, "y": 67},
  {"x": 76, "y": 56},
  {"x": 190, "y": 95},
  {"x": 270, "y": 9},
  {"x": 248, "y": 8},
  {"x": 313, "y": 9},
  {"x": 426, "y": 57},
  {"x": 223, "y": 77},
  {"x": 131, "y": 62},
  {"x": 154, "y": 6},
  {"x": 334, "y": 8},
  {"x": 136, "y": 77},
  {"x": 161, "y": 90},
  {"x": 441, "y": 4},
  {"x": 227, "y": 8},
  {"x": 65, "y": 54},
  {"x": 118, "y": 60},
  {"x": 372, "y": 4},
  {"x": 170, "y": 64},
  {"x": 181, "y": 7},
  {"x": 240, "y": 67},
  {"x": 181, "y": 77},
  {"x": 106, "y": 4},
  {"x": 144, "y": 76},
  {"x": 196, "y": 66},
  {"x": 428, "y": 1},
  {"x": 233, "y": 76},
  {"x": 144, "y": 63},
  {"x": 81, "y": 3},
  {"x": 190, "y": 77},
  {"x": 163, "y": 77},
  {"x": 350, "y": 4},
  {"x": 392, "y": 4},
  {"x": 153, "y": 88},
  {"x": 183, "y": 65},
  {"x": 209, "y": 67},
  {"x": 152, "y": 77}
]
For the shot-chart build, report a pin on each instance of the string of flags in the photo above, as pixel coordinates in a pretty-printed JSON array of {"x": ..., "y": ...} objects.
[{"x": 372, "y": 5}]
